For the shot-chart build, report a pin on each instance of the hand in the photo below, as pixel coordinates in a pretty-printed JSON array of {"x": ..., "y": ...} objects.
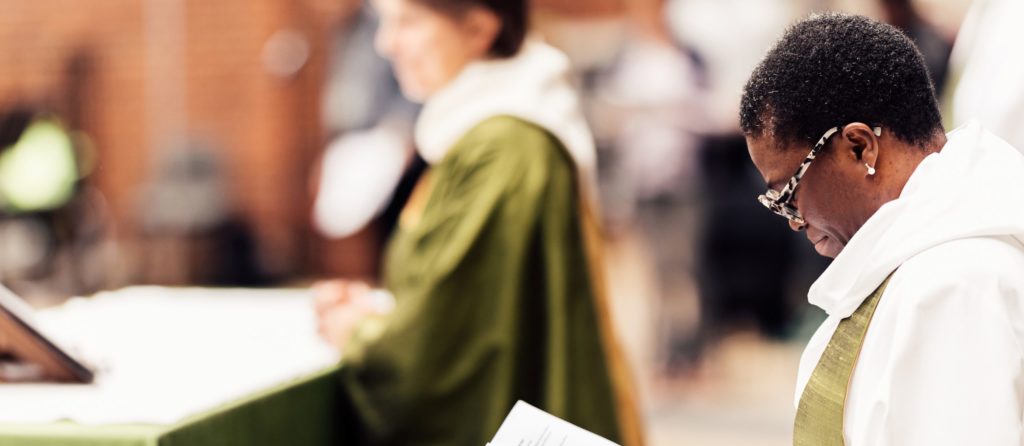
[{"x": 340, "y": 306}]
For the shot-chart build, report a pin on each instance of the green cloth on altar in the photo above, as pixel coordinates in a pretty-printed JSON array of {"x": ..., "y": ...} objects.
[
  {"x": 819, "y": 415},
  {"x": 299, "y": 413},
  {"x": 495, "y": 301}
]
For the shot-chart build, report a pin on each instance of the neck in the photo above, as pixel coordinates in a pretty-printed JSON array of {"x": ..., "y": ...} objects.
[
  {"x": 911, "y": 156},
  {"x": 937, "y": 143}
]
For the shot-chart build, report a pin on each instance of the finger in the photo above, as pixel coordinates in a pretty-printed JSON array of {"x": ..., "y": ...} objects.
[
  {"x": 357, "y": 289},
  {"x": 327, "y": 294},
  {"x": 338, "y": 325},
  {"x": 379, "y": 302},
  {"x": 329, "y": 326}
]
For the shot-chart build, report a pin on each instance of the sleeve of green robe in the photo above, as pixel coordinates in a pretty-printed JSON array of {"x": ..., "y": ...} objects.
[{"x": 494, "y": 301}]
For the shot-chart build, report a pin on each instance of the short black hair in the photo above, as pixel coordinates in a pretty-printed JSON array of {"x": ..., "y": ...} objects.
[
  {"x": 514, "y": 17},
  {"x": 833, "y": 69}
]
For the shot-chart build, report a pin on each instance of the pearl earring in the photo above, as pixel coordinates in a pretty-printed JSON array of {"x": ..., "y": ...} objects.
[{"x": 871, "y": 170}]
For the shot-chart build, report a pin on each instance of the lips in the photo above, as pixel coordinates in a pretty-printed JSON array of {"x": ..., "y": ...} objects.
[
  {"x": 820, "y": 247},
  {"x": 816, "y": 239}
]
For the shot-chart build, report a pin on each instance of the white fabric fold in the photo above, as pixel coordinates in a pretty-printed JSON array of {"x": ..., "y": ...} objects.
[
  {"x": 534, "y": 86},
  {"x": 942, "y": 362}
]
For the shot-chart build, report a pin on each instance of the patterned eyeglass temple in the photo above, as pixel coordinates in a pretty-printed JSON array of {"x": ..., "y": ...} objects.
[{"x": 780, "y": 202}]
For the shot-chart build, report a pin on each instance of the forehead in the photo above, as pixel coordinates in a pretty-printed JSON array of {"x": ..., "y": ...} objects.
[
  {"x": 393, "y": 7},
  {"x": 776, "y": 161}
]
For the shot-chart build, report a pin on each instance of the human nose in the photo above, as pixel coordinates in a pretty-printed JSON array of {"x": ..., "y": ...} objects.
[
  {"x": 384, "y": 41},
  {"x": 797, "y": 225}
]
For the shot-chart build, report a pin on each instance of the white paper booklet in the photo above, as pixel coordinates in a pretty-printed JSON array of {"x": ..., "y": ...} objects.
[{"x": 526, "y": 425}]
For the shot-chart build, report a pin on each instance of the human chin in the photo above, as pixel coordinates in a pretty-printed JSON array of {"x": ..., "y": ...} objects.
[
  {"x": 413, "y": 88},
  {"x": 413, "y": 93},
  {"x": 828, "y": 246},
  {"x": 420, "y": 85}
]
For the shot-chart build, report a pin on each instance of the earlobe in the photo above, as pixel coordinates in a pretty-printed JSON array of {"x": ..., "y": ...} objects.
[{"x": 870, "y": 153}]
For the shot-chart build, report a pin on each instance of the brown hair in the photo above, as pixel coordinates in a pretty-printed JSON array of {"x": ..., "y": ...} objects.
[{"x": 512, "y": 13}]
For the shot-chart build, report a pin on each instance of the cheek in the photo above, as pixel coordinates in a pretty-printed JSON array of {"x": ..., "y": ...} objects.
[
  {"x": 817, "y": 205},
  {"x": 431, "y": 56},
  {"x": 830, "y": 211},
  {"x": 833, "y": 247}
]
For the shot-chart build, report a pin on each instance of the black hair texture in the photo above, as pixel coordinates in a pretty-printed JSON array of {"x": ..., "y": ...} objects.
[
  {"x": 514, "y": 17},
  {"x": 833, "y": 69}
]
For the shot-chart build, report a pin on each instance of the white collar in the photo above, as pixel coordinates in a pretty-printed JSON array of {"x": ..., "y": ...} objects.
[
  {"x": 533, "y": 85},
  {"x": 974, "y": 187}
]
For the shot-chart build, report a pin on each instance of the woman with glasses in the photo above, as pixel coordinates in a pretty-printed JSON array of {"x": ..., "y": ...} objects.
[
  {"x": 490, "y": 268},
  {"x": 925, "y": 295}
]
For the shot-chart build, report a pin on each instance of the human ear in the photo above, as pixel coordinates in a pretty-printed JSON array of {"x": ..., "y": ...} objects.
[
  {"x": 861, "y": 142},
  {"x": 481, "y": 27}
]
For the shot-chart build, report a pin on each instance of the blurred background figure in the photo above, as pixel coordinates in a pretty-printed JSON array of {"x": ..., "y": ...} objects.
[
  {"x": 369, "y": 127},
  {"x": 490, "y": 268},
  {"x": 52, "y": 221},
  {"x": 728, "y": 238},
  {"x": 934, "y": 46},
  {"x": 208, "y": 245},
  {"x": 987, "y": 68},
  {"x": 648, "y": 102},
  {"x": 234, "y": 143},
  {"x": 39, "y": 170}
]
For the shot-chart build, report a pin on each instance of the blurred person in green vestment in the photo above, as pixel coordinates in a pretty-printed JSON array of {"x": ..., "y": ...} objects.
[{"x": 493, "y": 268}]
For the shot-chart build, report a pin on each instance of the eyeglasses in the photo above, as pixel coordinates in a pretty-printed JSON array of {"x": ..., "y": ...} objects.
[{"x": 781, "y": 202}]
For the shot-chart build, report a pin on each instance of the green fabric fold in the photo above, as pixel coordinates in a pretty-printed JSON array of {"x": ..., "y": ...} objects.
[
  {"x": 820, "y": 412},
  {"x": 495, "y": 302}
]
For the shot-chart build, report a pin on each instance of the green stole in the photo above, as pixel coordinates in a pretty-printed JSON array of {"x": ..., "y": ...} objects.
[{"x": 819, "y": 416}]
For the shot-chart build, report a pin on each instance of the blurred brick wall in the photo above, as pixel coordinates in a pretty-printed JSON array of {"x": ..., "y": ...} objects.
[
  {"x": 583, "y": 8},
  {"x": 38, "y": 40},
  {"x": 265, "y": 125}
]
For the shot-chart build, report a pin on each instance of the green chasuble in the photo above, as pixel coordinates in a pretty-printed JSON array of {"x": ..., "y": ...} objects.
[
  {"x": 495, "y": 302},
  {"x": 820, "y": 413}
]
